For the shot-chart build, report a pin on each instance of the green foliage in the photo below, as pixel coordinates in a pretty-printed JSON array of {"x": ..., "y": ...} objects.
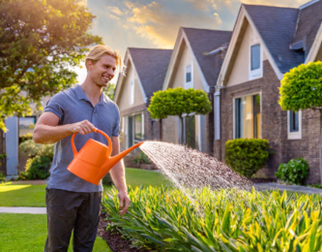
[
  {"x": 301, "y": 87},
  {"x": 109, "y": 90},
  {"x": 295, "y": 171},
  {"x": 2, "y": 178},
  {"x": 31, "y": 149},
  {"x": 40, "y": 42},
  {"x": 179, "y": 101},
  {"x": 318, "y": 186},
  {"x": 165, "y": 219},
  {"x": 37, "y": 168},
  {"x": 247, "y": 156},
  {"x": 107, "y": 180},
  {"x": 141, "y": 159},
  {"x": 25, "y": 137}
]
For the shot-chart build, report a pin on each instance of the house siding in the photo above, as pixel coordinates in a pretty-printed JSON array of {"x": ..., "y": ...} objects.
[{"x": 274, "y": 125}]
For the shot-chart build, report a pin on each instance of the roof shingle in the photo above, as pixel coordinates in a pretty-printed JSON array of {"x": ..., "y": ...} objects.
[{"x": 151, "y": 66}]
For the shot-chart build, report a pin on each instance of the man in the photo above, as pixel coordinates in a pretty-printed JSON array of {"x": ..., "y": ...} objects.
[{"x": 73, "y": 203}]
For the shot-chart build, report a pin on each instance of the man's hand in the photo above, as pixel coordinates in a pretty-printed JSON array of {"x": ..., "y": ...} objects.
[
  {"x": 83, "y": 127},
  {"x": 124, "y": 202}
]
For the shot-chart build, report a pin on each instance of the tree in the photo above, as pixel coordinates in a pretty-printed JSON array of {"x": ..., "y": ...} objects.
[
  {"x": 177, "y": 102},
  {"x": 301, "y": 88},
  {"x": 109, "y": 90},
  {"x": 40, "y": 41}
]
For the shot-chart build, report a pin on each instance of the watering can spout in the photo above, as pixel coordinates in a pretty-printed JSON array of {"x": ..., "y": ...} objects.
[{"x": 111, "y": 161}]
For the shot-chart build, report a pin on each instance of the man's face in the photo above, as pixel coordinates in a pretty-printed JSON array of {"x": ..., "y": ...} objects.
[{"x": 102, "y": 71}]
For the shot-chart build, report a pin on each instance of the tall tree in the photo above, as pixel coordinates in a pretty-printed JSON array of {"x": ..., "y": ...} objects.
[
  {"x": 301, "y": 88},
  {"x": 40, "y": 42},
  {"x": 177, "y": 102}
]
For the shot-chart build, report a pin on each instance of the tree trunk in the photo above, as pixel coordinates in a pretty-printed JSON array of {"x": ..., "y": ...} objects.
[
  {"x": 320, "y": 146},
  {"x": 160, "y": 130}
]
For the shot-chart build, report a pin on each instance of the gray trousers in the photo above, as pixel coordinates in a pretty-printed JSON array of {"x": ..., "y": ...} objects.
[{"x": 67, "y": 211}]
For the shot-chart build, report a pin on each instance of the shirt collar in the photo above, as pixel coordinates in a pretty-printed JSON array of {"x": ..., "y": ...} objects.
[{"x": 82, "y": 96}]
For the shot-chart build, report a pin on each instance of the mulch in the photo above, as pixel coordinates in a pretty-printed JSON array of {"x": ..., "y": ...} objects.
[{"x": 114, "y": 240}]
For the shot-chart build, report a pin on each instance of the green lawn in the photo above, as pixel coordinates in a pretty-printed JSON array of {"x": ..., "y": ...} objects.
[
  {"x": 28, "y": 232},
  {"x": 22, "y": 195},
  {"x": 34, "y": 195}
]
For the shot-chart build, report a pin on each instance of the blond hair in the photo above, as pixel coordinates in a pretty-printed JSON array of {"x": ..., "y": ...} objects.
[{"x": 98, "y": 51}]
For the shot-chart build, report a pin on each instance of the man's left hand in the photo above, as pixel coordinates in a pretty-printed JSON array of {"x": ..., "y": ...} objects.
[{"x": 124, "y": 202}]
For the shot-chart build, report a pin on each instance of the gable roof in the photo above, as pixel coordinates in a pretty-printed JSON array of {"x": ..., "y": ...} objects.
[
  {"x": 308, "y": 24},
  {"x": 151, "y": 66},
  {"x": 203, "y": 41},
  {"x": 277, "y": 26}
]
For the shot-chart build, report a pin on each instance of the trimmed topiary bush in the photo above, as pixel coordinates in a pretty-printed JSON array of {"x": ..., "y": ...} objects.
[
  {"x": 295, "y": 171},
  {"x": 247, "y": 156}
]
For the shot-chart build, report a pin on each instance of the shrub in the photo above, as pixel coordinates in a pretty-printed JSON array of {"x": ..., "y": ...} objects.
[
  {"x": 2, "y": 178},
  {"x": 31, "y": 149},
  {"x": 107, "y": 180},
  {"x": 142, "y": 159},
  {"x": 25, "y": 137},
  {"x": 295, "y": 171},
  {"x": 37, "y": 168},
  {"x": 247, "y": 156}
]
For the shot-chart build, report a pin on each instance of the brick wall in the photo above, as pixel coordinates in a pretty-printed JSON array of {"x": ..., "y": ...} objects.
[{"x": 274, "y": 125}]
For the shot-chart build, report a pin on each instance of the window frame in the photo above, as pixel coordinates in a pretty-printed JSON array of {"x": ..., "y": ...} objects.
[
  {"x": 256, "y": 73},
  {"x": 261, "y": 110},
  {"x": 296, "y": 134},
  {"x": 131, "y": 100},
  {"x": 188, "y": 85}
]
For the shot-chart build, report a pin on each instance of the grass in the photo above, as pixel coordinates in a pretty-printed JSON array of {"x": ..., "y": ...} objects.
[
  {"x": 22, "y": 195},
  {"x": 32, "y": 233},
  {"x": 27, "y": 195}
]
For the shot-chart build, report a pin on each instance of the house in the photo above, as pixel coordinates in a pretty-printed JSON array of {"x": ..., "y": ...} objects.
[
  {"x": 9, "y": 141},
  {"x": 266, "y": 43},
  {"x": 145, "y": 72},
  {"x": 195, "y": 63}
]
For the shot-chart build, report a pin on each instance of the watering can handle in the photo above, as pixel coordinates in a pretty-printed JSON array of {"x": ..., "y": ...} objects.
[{"x": 109, "y": 151}]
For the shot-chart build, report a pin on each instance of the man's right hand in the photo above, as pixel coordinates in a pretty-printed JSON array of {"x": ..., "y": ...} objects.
[{"x": 83, "y": 127}]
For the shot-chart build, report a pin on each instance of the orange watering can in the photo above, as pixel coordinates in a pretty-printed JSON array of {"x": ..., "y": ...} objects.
[{"x": 93, "y": 161}]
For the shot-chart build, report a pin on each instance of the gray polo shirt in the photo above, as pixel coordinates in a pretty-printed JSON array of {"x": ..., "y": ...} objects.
[{"x": 73, "y": 106}]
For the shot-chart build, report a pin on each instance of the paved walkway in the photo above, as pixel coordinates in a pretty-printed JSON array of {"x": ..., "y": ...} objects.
[
  {"x": 29, "y": 210},
  {"x": 294, "y": 188}
]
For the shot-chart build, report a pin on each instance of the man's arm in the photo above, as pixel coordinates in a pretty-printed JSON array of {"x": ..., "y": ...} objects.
[
  {"x": 118, "y": 177},
  {"x": 48, "y": 131}
]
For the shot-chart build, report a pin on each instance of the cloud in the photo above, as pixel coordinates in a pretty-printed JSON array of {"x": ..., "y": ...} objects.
[
  {"x": 160, "y": 24},
  {"x": 284, "y": 3},
  {"x": 114, "y": 17},
  {"x": 218, "y": 19},
  {"x": 115, "y": 10}
]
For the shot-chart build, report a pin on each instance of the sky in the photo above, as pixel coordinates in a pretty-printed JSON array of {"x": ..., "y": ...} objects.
[{"x": 155, "y": 24}]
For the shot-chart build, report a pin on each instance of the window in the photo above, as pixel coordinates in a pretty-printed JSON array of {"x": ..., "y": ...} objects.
[
  {"x": 247, "y": 117},
  {"x": 255, "y": 61},
  {"x": 134, "y": 129},
  {"x": 294, "y": 125},
  {"x": 26, "y": 125},
  {"x": 138, "y": 128},
  {"x": 188, "y": 77},
  {"x": 132, "y": 92}
]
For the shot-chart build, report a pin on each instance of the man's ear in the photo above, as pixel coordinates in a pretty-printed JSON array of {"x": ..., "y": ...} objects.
[{"x": 89, "y": 65}]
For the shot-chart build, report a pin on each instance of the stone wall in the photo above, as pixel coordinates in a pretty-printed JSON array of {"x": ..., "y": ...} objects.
[{"x": 274, "y": 125}]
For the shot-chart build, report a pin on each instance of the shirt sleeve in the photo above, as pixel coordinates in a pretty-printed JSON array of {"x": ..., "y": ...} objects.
[
  {"x": 55, "y": 105},
  {"x": 116, "y": 127}
]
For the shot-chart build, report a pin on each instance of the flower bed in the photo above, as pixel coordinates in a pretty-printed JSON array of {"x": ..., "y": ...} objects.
[{"x": 165, "y": 219}]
